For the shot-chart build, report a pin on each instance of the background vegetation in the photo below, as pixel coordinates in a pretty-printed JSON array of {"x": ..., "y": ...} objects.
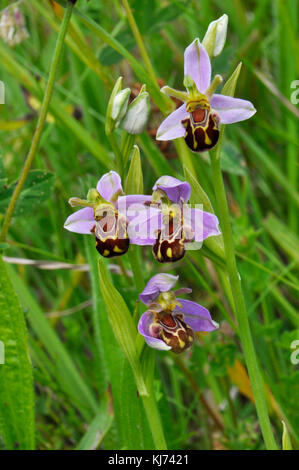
[{"x": 84, "y": 390}]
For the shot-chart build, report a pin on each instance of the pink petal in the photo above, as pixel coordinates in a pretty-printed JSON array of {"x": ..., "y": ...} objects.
[
  {"x": 159, "y": 283},
  {"x": 196, "y": 316},
  {"x": 171, "y": 127},
  {"x": 81, "y": 221},
  {"x": 197, "y": 65},
  {"x": 109, "y": 185},
  {"x": 144, "y": 223},
  {"x": 203, "y": 224},
  {"x": 175, "y": 189},
  {"x": 144, "y": 329},
  {"x": 232, "y": 110}
]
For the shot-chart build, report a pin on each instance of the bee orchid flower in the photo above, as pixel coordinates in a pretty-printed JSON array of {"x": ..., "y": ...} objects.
[
  {"x": 177, "y": 226},
  {"x": 105, "y": 215},
  {"x": 198, "y": 119},
  {"x": 170, "y": 322}
]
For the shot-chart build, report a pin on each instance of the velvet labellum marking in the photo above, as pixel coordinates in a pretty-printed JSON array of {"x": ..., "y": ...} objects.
[
  {"x": 202, "y": 127},
  {"x": 111, "y": 232},
  {"x": 173, "y": 331},
  {"x": 169, "y": 245}
]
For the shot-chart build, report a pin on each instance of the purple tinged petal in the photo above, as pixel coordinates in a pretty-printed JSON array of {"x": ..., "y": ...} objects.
[
  {"x": 81, "y": 221},
  {"x": 175, "y": 189},
  {"x": 144, "y": 329},
  {"x": 144, "y": 225},
  {"x": 159, "y": 283},
  {"x": 197, "y": 65},
  {"x": 203, "y": 224},
  {"x": 109, "y": 185},
  {"x": 144, "y": 218},
  {"x": 196, "y": 316},
  {"x": 171, "y": 127},
  {"x": 232, "y": 110},
  {"x": 125, "y": 202}
]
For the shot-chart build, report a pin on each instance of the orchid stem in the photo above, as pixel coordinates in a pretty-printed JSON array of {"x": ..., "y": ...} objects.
[
  {"x": 150, "y": 402},
  {"x": 239, "y": 301},
  {"x": 41, "y": 120},
  {"x": 117, "y": 154}
]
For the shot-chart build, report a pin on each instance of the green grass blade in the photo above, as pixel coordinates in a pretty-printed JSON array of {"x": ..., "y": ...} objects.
[
  {"x": 16, "y": 380},
  {"x": 67, "y": 372}
]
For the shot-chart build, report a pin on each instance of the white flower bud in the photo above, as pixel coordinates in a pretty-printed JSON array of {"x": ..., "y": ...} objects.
[
  {"x": 120, "y": 104},
  {"x": 135, "y": 120},
  {"x": 117, "y": 106},
  {"x": 215, "y": 36}
]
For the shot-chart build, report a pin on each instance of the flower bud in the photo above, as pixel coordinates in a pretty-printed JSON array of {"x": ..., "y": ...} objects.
[
  {"x": 215, "y": 36},
  {"x": 135, "y": 120},
  {"x": 120, "y": 104},
  {"x": 115, "y": 108}
]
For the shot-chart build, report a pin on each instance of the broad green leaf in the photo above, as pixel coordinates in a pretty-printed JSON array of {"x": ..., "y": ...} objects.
[
  {"x": 122, "y": 324},
  {"x": 129, "y": 415},
  {"x": 16, "y": 379},
  {"x": 36, "y": 190},
  {"x": 67, "y": 373}
]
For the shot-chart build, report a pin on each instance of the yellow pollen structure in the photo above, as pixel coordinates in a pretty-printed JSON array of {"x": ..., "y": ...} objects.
[{"x": 117, "y": 249}]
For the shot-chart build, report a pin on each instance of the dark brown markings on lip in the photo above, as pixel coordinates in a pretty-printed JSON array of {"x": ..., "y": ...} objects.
[
  {"x": 112, "y": 247},
  {"x": 166, "y": 251},
  {"x": 175, "y": 332},
  {"x": 111, "y": 235},
  {"x": 170, "y": 243},
  {"x": 168, "y": 320},
  {"x": 200, "y": 138}
]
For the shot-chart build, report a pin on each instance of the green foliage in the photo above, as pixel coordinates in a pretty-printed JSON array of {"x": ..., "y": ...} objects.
[
  {"x": 85, "y": 365},
  {"x": 16, "y": 380},
  {"x": 37, "y": 189}
]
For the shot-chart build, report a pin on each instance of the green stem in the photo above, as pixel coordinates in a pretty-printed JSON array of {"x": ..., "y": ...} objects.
[
  {"x": 134, "y": 258},
  {"x": 149, "y": 402},
  {"x": 117, "y": 153},
  {"x": 240, "y": 307},
  {"x": 127, "y": 142},
  {"x": 41, "y": 120}
]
